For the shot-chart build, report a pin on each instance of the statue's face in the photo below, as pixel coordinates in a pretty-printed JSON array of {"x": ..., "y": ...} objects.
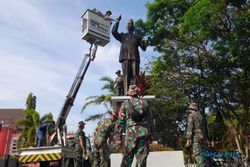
[{"x": 130, "y": 25}]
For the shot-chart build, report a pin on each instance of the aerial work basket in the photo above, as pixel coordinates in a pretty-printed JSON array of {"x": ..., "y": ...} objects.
[{"x": 95, "y": 27}]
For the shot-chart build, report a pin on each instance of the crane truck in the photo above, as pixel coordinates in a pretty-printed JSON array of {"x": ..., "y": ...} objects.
[{"x": 96, "y": 31}]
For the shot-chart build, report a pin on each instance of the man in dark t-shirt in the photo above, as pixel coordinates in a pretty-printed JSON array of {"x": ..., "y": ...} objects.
[{"x": 43, "y": 131}]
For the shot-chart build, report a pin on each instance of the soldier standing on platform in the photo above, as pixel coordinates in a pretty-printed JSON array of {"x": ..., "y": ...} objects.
[
  {"x": 129, "y": 53},
  {"x": 196, "y": 136},
  {"x": 80, "y": 145},
  {"x": 136, "y": 119},
  {"x": 119, "y": 83},
  {"x": 103, "y": 131}
]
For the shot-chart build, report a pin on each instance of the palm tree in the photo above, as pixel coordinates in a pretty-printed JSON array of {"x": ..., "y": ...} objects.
[
  {"x": 104, "y": 99},
  {"x": 31, "y": 122}
]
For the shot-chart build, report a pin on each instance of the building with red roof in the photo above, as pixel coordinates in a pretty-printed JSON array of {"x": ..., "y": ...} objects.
[{"x": 8, "y": 132}]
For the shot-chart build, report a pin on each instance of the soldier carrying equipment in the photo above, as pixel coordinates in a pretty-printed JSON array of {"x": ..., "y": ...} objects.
[
  {"x": 138, "y": 128},
  {"x": 103, "y": 133}
]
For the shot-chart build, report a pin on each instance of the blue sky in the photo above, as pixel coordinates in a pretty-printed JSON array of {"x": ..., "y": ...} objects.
[{"x": 41, "y": 51}]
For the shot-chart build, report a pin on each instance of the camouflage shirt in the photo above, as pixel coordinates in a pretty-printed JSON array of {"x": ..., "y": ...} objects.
[
  {"x": 103, "y": 130},
  {"x": 144, "y": 126},
  {"x": 195, "y": 127},
  {"x": 80, "y": 135}
]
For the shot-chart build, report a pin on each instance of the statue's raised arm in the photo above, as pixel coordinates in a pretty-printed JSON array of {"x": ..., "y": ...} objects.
[{"x": 115, "y": 29}]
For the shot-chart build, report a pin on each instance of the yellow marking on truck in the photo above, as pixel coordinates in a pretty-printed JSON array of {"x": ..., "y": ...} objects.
[
  {"x": 37, "y": 158},
  {"x": 26, "y": 157},
  {"x": 21, "y": 158},
  {"x": 40, "y": 157},
  {"x": 58, "y": 155},
  {"x": 53, "y": 157},
  {"x": 47, "y": 157},
  {"x": 31, "y": 158}
]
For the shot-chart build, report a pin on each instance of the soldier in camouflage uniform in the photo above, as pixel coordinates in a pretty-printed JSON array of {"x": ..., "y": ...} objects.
[
  {"x": 136, "y": 119},
  {"x": 196, "y": 136},
  {"x": 104, "y": 128},
  {"x": 80, "y": 145}
]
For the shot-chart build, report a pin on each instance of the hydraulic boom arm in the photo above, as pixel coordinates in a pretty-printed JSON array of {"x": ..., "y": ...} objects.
[{"x": 70, "y": 98}]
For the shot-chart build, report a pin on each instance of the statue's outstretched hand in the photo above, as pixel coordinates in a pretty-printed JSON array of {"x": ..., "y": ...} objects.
[{"x": 119, "y": 18}]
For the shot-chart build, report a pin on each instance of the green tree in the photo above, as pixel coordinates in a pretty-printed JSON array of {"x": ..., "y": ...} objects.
[
  {"x": 30, "y": 123},
  {"x": 204, "y": 47},
  {"x": 169, "y": 111}
]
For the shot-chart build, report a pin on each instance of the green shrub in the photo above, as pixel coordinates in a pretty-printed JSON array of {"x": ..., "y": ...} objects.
[{"x": 158, "y": 147}]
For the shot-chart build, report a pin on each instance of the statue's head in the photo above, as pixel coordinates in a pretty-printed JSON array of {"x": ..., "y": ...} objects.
[{"x": 130, "y": 25}]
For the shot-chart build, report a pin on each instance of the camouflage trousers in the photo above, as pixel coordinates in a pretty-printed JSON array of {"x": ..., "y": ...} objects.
[
  {"x": 101, "y": 156},
  {"x": 198, "y": 148},
  {"x": 79, "y": 159},
  {"x": 138, "y": 148}
]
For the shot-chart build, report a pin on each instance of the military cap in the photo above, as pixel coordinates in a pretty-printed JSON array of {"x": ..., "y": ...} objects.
[
  {"x": 118, "y": 71},
  {"x": 133, "y": 90},
  {"x": 193, "y": 106},
  {"x": 81, "y": 123}
]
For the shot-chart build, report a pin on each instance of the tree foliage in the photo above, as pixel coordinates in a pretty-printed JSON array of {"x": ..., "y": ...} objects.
[
  {"x": 104, "y": 99},
  {"x": 204, "y": 47},
  {"x": 30, "y": 123}
]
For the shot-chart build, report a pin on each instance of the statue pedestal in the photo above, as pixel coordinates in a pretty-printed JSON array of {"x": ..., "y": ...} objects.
[
  {"x": 117, "y": 100},
  {"x": 155, "y": 159}
]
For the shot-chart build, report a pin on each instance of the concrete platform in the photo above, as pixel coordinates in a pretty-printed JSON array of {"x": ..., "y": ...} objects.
[
  {"x": 122, "y": 98},
  {"x": 155, "y": 159},
  {"x": 117, "y": 100}
]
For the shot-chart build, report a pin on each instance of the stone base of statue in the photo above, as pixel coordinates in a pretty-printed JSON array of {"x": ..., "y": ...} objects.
[
  {"x": 155, "y": 159},
  {"x": 117, "y": 100}
]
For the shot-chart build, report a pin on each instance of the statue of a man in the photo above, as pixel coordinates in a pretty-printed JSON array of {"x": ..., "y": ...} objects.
[{"x": 129, "y": 53}]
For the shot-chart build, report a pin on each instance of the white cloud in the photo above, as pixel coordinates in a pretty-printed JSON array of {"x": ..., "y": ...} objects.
[
  {"x": 22, "y": 75},
  {"x": 23, "y": 16}
]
